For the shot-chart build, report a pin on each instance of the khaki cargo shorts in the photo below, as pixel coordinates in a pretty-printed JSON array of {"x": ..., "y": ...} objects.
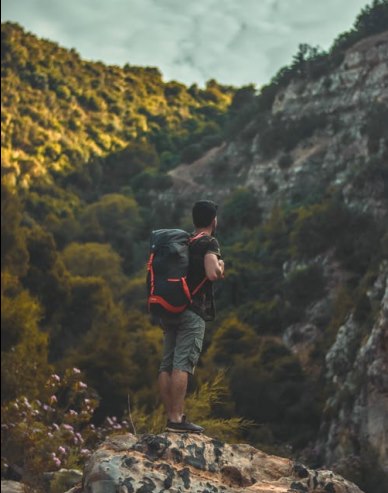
[{"x": 183, "y": 338}]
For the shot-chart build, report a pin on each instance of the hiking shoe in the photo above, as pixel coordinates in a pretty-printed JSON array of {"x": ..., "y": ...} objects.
[{"x": 183, "y": 427}]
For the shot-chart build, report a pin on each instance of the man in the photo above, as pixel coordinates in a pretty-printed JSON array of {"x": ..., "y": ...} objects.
[{"x": 184, "y": 333}]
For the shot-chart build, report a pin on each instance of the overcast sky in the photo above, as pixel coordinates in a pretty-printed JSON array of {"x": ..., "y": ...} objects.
[{"x": 233, "y": 41}]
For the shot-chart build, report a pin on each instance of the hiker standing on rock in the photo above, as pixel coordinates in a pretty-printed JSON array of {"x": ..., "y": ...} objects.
[{"x": 183, "y": 321}]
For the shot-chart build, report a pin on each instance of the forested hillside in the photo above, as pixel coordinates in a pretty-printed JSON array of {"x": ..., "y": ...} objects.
[{"x": 95, "y": 156}]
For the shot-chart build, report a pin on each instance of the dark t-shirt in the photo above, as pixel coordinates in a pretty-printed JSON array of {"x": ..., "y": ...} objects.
[{"x": 203, "y": 300}]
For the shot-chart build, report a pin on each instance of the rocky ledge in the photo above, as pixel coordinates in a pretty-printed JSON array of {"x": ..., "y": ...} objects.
[{"x": 198, "y": 464}]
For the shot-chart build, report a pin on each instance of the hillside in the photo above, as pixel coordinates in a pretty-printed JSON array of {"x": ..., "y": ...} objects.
[
  {"x": 60, "y": 112},
  {"x": 96, "y": 156}
]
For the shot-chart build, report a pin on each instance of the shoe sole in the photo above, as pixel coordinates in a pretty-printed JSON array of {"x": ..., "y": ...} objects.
[{"x": 183, "y": 431}]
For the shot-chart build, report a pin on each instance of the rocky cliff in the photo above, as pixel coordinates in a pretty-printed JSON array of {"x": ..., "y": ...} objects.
[
  {"x": 356, "y": 414},
  {"x": 337, "y": 153},
  {"x": 198, "y": 464}
]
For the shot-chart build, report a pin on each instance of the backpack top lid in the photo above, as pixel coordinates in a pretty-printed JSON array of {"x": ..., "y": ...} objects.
[{"x": 161, "y": 237}]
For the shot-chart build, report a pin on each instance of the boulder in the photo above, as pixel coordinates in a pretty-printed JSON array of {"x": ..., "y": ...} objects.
[
  {"x": 12, "y": 487},
  {"x": 174, "y": 463}
]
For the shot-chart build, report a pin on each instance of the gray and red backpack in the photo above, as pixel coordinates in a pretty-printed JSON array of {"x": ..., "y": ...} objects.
[{"x": 167, "y": 268}]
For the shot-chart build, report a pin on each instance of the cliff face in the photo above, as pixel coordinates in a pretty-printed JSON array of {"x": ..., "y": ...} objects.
[
  {"x": 178, "y": 463},
  {"x": 356, "y": 415},
  {"x": 337, "y": 153}
]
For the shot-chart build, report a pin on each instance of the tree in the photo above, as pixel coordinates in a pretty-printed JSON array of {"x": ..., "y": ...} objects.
[
  {"x": 95, "y": 259},
  {"x": 271, "y": 388},
  {"x": 46, "y": 277},
  {"x": 113, "y": 219},
  {"x": 121, "y": 166},
  {"x": 232, "y": 340},
  {"x": 89, "y": 306},
  {"x": 14, "y": 254},
  {"x": 373, "y": 18},
  {"x": 24, "y": 347},
  {"x": 120, "y": 357}
]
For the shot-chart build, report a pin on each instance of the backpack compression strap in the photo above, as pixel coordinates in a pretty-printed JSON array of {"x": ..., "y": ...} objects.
[
  {"x": 195, "y": 291},
  {"x": 191, "y": 240},
  {"x": 161, "y": 301},
  {"x": 151, "y": 271}
]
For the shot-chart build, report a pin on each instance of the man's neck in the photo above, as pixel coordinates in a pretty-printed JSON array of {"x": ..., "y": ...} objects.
[{"x": 208, "y": 230}]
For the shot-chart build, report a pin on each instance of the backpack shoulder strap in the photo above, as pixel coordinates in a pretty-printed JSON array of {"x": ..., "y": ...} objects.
[
  {"x": 197, "y": 237},
  {"x": 205, "y": 279}
]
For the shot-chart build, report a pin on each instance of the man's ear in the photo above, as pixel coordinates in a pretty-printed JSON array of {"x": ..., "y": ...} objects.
[{"x": 214, "y": 225}]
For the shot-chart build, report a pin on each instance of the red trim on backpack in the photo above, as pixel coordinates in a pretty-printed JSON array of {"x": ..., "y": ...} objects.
[
  {"x": 196, "y": 237},
  {"x": 161, "y": 301},
  {"x": 195, "y": 291},
  {"x": 151, "y": 271},
  {"x": 186, "y": 288}
]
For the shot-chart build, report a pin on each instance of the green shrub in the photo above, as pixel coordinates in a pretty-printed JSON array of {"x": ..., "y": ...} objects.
[
  {"x": 24, "y": 347},
  {"x": 120, "y": 167},
  {"x": 284, "y": 134},
  {"x": 372, "y": 19},
  {"x": 374, "y": 127},
  {"x": 272, "y": 389},
  {"x": 63, "y": 92},
  {"x": 91, "y": 101},
  {"x": 149, "y": 180},
  {"x": 53, "y": 431},
  {"x": 317, "y": 227},
  {"x": 241, "y": 210},
  {"x": 303, "y": 286},
  {"x": 233, "y": 339},
  {"x": 264, "y": 316}
]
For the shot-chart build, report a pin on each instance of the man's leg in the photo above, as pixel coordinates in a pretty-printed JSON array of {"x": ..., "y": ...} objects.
[
  {"x": 188, "y": 346},
  {"x": 178, "y": 388},
  {"x": 164, "y": 381},
  {"x": 172, "y": 388},
  {"x": 164, "y": 378}
]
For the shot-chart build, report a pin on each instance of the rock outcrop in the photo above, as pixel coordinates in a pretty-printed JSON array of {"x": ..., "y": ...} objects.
[
  {"x": 12, "y": 487},
  {"x": 356, "y": 414},
  {"x": 175, "y": 463}
]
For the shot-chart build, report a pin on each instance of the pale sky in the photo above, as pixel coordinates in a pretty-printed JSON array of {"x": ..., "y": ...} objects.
[{"x": 236, "y": 42}]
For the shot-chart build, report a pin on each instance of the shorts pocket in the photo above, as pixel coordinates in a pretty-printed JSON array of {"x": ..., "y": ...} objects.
[{"x": 196, "y": 351}]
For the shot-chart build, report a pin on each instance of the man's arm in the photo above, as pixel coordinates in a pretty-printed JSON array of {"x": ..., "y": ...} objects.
[{"x": 214, "y": 267}]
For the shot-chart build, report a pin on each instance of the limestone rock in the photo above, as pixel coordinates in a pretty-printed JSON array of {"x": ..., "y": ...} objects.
[
  {"x": 356, "y": 414},
  {"x": 12, "y": 487},
  {"x": 175, "y": 463},
  {"x": 335, "y": 156}
]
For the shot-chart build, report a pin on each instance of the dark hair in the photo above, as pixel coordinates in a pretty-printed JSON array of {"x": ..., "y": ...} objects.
[{"x": 204, "y": 211}]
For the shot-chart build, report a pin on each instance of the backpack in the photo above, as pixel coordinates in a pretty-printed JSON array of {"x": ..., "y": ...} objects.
[{"x": 167, "y": 268}]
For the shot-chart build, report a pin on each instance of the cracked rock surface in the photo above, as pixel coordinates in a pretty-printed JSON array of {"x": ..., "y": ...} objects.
[{"x": 174, "y": 463}]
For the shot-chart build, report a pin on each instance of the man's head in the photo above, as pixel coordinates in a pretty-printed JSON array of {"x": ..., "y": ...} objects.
[{"x": 204, "y": 214}]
